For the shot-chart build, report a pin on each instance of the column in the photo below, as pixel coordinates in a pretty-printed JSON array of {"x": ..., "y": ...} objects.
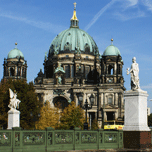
[
  {"x": 8, "y": 71},
  {"x": 122, "y": 101},
  {"x": 105, "y": 116},
  {"x": 16, "y": 71},
  {"x": 87, "y": 116},
  {"x": 115, "y": 68},
  {"x": 116, "y": 99},
  {"x": 116, "y": 115},
  {"x": 99, "y": 106},
  {"x": 84, "y": 98},
  {"x": 107, "y": 69},
  {"x": 119, "y": 105},
  {"x": 75, "y": 99},
  {"x": 101, "y": 99},
  {"x": 113, "y": 98}
]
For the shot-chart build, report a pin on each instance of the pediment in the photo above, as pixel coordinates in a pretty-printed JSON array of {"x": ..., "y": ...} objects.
[{"x": 110, "y": 106}]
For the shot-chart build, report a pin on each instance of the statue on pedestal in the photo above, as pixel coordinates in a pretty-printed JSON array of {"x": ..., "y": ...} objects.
[
  {"x": 14, "y": 103},
  {"x": 134, "y": 72}
]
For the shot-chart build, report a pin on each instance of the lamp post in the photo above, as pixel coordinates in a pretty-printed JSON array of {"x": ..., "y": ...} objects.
[
  {"x": 87, "y": 107},
  {"x": 103, "y": 112},
  {"x": 80, "y": 99}
]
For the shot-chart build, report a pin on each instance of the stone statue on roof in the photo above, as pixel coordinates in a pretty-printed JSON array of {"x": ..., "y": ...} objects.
[{"x": 134, "y": 72}]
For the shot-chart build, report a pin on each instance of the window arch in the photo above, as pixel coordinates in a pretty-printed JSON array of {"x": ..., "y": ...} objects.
[
  {"x": 110, "y": 70},
  {"x": 12, "y": 72}
]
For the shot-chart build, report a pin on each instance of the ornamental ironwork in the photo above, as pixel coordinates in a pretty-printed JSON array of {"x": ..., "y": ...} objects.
[
  {"x": 77, "y": 138},
  {"x": 5, "y": 139},
  {"x": 100, "y": 138},
  {"x": 17, "y": 139},
  {"x": 49, "y": 138},
  {"x": 110, "y": 138},
  {"x": 63, "y": 138},
  {"x": 33, "y": 138},
  {"x": 89, "y": 137}
]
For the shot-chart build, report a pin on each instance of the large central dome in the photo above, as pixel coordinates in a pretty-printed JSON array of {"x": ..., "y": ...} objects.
[{"x": 73, "y": 39}]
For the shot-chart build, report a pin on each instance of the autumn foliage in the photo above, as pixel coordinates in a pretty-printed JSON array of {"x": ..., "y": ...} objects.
[
  {"x": 72, "y": 117},
  {"x": 49, "y": 117}
]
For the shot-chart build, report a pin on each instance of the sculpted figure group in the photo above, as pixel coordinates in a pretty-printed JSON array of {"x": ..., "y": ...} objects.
[{"x": 14, "y": 103}]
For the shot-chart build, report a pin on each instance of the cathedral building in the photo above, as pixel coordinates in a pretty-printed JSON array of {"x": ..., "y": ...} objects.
[
  {"x": 15, "y": 66},
  {"x": 75, "y": 71}
]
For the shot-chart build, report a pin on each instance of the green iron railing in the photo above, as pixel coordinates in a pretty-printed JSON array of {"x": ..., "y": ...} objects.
[{"x": 17, "y": 140}]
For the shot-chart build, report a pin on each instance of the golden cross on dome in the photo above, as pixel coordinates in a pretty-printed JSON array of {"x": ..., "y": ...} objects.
[
  {"x": 16, "y": 43},
  {"x": 75, "y": 5}
]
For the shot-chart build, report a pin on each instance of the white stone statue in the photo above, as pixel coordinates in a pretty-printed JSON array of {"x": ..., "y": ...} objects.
[
  {"x": 134, "y": 72},
  {"x": 14, "y": 103}
]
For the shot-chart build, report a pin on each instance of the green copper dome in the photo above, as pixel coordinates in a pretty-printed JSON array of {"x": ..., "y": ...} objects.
[
  {"x": 15, "y": 53},
  {"x": 111, "y": 50},
  {"x": 73, "y": 39}
]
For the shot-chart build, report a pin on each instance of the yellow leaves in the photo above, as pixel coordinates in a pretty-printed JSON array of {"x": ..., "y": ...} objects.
[
  {"x": 49, "y": 117},
  {"x": 71, "y": 117}
]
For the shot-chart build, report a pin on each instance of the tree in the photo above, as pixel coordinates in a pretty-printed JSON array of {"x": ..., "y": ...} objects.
[
  {"x": 71, "y": 117},
  {"x": 49, "y": 117},
  {"x": 150, "y": 120},
  {"x": 94, "y": 124},
  {"x": 29, "y": 102}
]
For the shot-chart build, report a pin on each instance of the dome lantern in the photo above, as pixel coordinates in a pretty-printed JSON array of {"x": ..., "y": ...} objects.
[{"x": 74, "y": 20}]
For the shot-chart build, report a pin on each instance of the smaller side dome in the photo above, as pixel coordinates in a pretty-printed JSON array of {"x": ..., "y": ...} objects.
[
  {"x": 15, "y": 53},
  {"x": 111, "y": 50}
]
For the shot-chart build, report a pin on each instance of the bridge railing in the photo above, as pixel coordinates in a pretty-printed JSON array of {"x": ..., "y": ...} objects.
[{"x": 18, "y": 140}]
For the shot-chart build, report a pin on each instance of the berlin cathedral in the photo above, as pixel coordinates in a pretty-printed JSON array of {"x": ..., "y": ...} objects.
[{"x": 75, "y": 71}]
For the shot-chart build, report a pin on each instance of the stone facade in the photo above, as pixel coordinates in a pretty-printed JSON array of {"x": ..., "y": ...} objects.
[
  {"x": 107, "y": 88},
  {"x": 75, "y": 71}
]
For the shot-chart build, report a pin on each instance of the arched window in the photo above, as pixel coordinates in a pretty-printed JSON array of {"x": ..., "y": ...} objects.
[
  {"x": 67, "y": 71},
  {"x": 87, "y": 70},
  {"x": 110, "y": 100},
  {"x": 19, "y": 71},
  {"x": 12, "y": 72},
  {"x": 110, "y": 70}
]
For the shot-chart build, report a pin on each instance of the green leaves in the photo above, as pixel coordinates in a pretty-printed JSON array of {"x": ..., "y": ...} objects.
[{"x": 28, "y": 98}]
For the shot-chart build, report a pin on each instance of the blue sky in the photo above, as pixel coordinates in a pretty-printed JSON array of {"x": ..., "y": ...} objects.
[{"x": 35, "y": 23}]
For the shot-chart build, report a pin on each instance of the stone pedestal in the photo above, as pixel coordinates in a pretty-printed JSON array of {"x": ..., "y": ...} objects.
[
  {"x": 13, "y": 118},
  {"x": 137, "y": 139},
  {"x": 136, "y": 131}
]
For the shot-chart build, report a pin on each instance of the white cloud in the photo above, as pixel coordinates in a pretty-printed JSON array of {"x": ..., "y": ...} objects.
[
  {"x": 148, "y": 3},
  {"x": 129, "y": 16},
  {"x": 121, "y": 13},
  {"x": 96, "y": 17},
  {"x": 132, "y": 3},
  {"x": 39, "y": 24}
]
